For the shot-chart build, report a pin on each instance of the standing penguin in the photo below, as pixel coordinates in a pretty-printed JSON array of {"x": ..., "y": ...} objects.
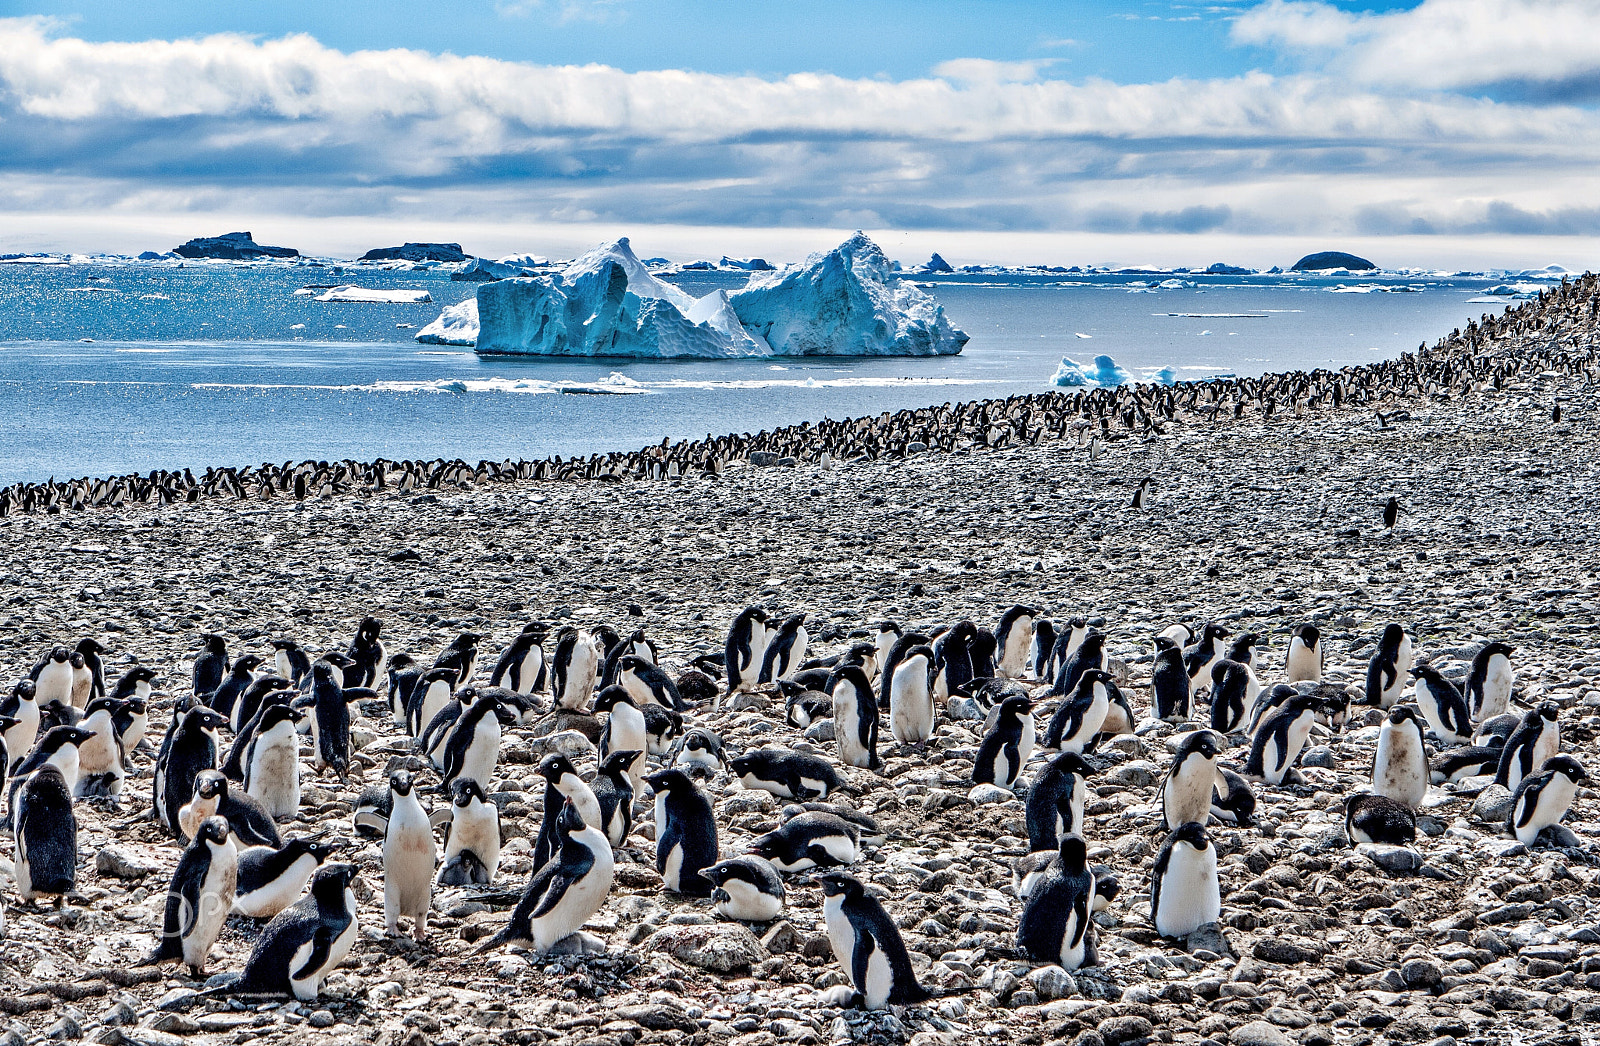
[
  {"x": 624, "y": 729},
  {"x": 911, "y": 712},
  {"x": 461, "y": 655},
  {"x": 306, "y": 941},
  {"x": 430, "y": 694},
  {"x": 238, "y": 679},
  {"x": 746, "y": 648},
  {"x": 1200, "y": 658},
  {"x": 272, "y": 878},
  {"x": 562, "y": 785},
  {"x": 291, "y": 662},
  {"x": 1386, "y": 671},
  {"x": 1056, "y": 926},
  {"x": 271, "y": 763},
  {"x": 257, "y": 694},
  {"x": 408, "y": 857},
  {"x": 1008, "y": 745},
  {"x": 1184, "y": 892},
  {"x": 1076, "y": 723},
  {"x": 786, "y": 650},
  {"x": 572, "y": 669},
  {"x": 19, "y": 737},
  {"x": 91, "y": 651},
  {"x": 1303, "y": 663},
  {"x": 200, "y": 898},
  {"x": 1536, "y": 740},
  {"x": 1169, "y": 682},
  {"x": 521, "y": 668},
  {"x": 101, "y": 758},
  {"x": 564, "y": 892},
  {"x": 868, "y": 945},
  {"x": 1442, "y": 706},
  {"x": 1191, "y": 781},
  {"x": 1089, "y": 656},
  {"x": 952, "y": 659},
  {"x": 1280, "y": 738},
  {"x": 330, "y": 723},
  {"x": 855, "y": 717},
  {"x": 210, "y": 665},
  {"x": 613, "y": 791},
  {"x": 1230, "y": 696},
  {"x": 46, "y": 863},
  {"x": 686, "y": 833},
  {"x": 193, "y": 749},
  {"x": 1400, "y": 767},
  {"x": 1013, "y": 638},
  {"x": 57, "y": 747},
  {"x": 1041, "y": 655},
  {"x": 1055, "y": 801},
  {"x": 367, "y": 655},
  {"x": 1542, "y": 799},
  {"x": 472, "y": 849},
  {"x": 52, "y": 677},
  {"x": 1490, "y": 680},
  {"x": 474, "y": 745}
]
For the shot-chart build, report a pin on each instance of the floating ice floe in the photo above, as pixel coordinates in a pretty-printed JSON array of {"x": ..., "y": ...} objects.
[
  {"x": 1103, "y": 371},
  {"x": 374, "y": 295},
  {"x": 456, "y": 325}
]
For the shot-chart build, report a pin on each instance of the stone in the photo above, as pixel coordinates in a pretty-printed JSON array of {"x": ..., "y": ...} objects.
[
  {"x": 1423, "y": 974},
  {"x": 1051, "y": 982},
  {"x": 1118, "y": 1030},
  {"x": 1209, "y": 938},
  {"x": 1286, "y": 951},
  {"x": 122, "y": 863},
  {"x": 178, "y": 999},
  {"x": 1397, "y": 859},
  {"x": 1321, "y": 756},
  {"x": 722, "y": 948},
  {"x": 1258, "y": 1033},
  {"x": 653, "y": 1017},
  {"x": 988, "y": 794},
  {"x": 1492, "y": 805}
]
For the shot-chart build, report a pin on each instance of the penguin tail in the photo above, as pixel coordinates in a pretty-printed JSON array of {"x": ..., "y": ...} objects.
[
  {"x": 165, "y": 952},
  {"x": 504, "y": 937}
]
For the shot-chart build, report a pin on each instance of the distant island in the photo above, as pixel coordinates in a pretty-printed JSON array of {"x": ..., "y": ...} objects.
[
  {"x": 1330, "y": 260},
  {"x": 233, "y": 246},
  {"x": 417, "y": 252}
]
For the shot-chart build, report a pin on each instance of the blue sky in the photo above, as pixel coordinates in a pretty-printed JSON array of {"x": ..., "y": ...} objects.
[{"x": 995, "y": 124}]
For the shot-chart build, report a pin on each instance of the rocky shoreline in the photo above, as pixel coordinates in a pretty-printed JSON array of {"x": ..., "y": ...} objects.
[{"x": 1260, "y": 522}]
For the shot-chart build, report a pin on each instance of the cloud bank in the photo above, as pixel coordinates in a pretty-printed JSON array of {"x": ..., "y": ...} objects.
[{"x": 1446, "y": 119}]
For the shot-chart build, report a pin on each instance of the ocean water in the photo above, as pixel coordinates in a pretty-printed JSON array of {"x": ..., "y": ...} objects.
[{"x": 109, "y": 368}]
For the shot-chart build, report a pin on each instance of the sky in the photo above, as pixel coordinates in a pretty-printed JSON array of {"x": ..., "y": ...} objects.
[{"x": 1450, "y": 133}]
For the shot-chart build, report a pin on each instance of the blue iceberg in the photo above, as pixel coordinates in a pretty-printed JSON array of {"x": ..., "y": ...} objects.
[{"x": 1102, "y": 372}]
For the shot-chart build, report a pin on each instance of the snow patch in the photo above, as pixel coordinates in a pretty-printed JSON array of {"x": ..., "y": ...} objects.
[{"x": 374, "y": 295}]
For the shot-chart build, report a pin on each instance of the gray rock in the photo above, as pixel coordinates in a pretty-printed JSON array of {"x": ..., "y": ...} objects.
[
  {"x": 178, "y": 999},
  {"x": 721, "y": 947},
  {"x": 1052, "y": 982},
  {"x": 1321, "y": 756},
  {"x": 988, "y": 794},
  {"x": 1287, "y": 951},
  {"x": 658, "y": 1018},
  {"x": 764, "y": 458},
  {"x": 122, "y": 863},
  {"x": 1397, "y": 859},
  {"x": 1492, "y": 805},
  {"x": 1131, "y": 1028},
  {"x": 820, "y": 731},
  {"x": 1258, "y": 1033},
  {"x": 1209, "y": 938},
  {"x": 1423, "y": 974},
  {"x": 569, "y": 743}
]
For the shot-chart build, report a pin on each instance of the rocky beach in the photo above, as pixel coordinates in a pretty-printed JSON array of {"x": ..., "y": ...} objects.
[{"x": 1257, "y": 522}]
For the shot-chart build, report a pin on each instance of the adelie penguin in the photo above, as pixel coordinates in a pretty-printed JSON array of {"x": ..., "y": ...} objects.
[
  {"x": 291, "y": 662},
  {"x": 271, "y": 761},
  {"x": 1535, "y": 741},
  {"x": 367, "y": 655},
  {"x": 193, "y": 749},
  {"x": 473, "y": 747},
  {"x": 1303, "y": 663},
  {"x": 1200, "y": 658},
  {"x": 461, "y": 655},
  {"x": 613, "y": 791},
  {"x": 432, "y": 691},
  {"x": 101, "y": 758},
  {"x": 802, "y": 705},
  {"x": 646, "y": 683},
  {"x": 686, "y": 833},
  {"x": 200, "y": 898},
  {"x": 265, "y": 690},
  {"x": 624, "y": 729},
  {"x": 247, "y": 819},
  {"x": 210, "y": 665},
  {"x": 521, "y": 666},
  {"x": 952, "y": 660},
  {"x": 1013, "y": 638},
  {"x": 22, "y": 707},
  {"x": 563, "y": 893},
  {"x": 1387, "y": 669},
  {"x": 1139, "y": 494},
  {"x": 1542, "y": 799},
  {"x": 1090, "y": 656},
  {"x": 330, "y": 722},
  {"x": 46, "y": 836},
  {"x": 1007, "y": 747},
  {"x": 1442, "y": 706},
  {"x": 1191, "y": 781},
  {"x": 472, "y": 848},
  {"x": 1077, "y": 721},
  {"x": 57, "y": 747},
  {"x": 1231, "y": 696},
  {"x": 272, "y": 878},
  {"x": 1055, "y": 801},
  {"x": 408, "y": 857},
  {"x": 572, "y": 669},
  {"x": 855, "y": 717},
  {"x": 1169, "y": 682},
  {"x": 1490, "y": 680},
  {"x": 746, "y": 649},
  {"x": 1373, "y": 818},
  {"x": 868, "y": 946},
  {"x": 788, "y": 774},
  {"x": 239, "y": 677},
  {"x": 699, "y": 753},
  {"x": 306, "y": 941},
  {"x": 813, "y": 839},
  {"x": 1057, "y": 925},
  {"x": 1041, "y": 654},
  {"x": 1400, "y": 767},
  {"x": 747, "y": 888},
  {"x": 911, "y": 712},
  {"x": 91, "y": 651},
  {"x": 1184, "y": 891},
  {"x": 52, "y": 677},
  {"x": 785, "y": 651},
  {"x": 1233, "y": 801},
  {"x": 1280, "y": 738},
  {"x": 562, "y": 785}
]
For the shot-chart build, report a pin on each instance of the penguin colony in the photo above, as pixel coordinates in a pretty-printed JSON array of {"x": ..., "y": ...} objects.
[
  {"x": 1042, "y": 736},
  {"x": 1535, "y": 336}
]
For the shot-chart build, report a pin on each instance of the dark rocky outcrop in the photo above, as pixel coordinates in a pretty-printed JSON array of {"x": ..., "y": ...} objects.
[
  {"x": 417, "y": 252},
  {"x": 235, "y": 246},
  {"x": 1330, "y": 260},
  {"x": 1224, "y": 269},
  {"x": 937, "y": 264}
]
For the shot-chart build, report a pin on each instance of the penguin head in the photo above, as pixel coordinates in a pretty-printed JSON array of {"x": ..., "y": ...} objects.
[
  {"x": 1207, "y": 744},
  {"x": 536, "y": 628},
  {"x": 1193, "y": 833},
  {"x": 212, "y": 831},
  {"x": 210, "y": 784},
  {"x": 369, "y": 629},
  {"x": 1496, "y": 647},
  {"x": 888, "y": 628},
  {"x": 611, "y": 697},
  {"x": 569, "y": 820},
  {"x": 616, "y": 764},
  {"x": 1224, "y": 670},
  {"x": 1549, "y": 711},
  {"x": 838, "y": 884},
  {"x": 507, "y": 715},
  {"x": 1241, "y": 645},
  {"x": 1399, "y": 715},
  {"x": 1307, "y": 633},
  {"x": 464, "y": 790},
  {"x": 633, "y": 664},
  {"x": 400, "y": 782},
  {"x": 1094, "y": 641},
  {"x": 669, "y": 781},
  {"x": 312, "y": 845},
  {"x": 1074, "y": 853},
  {"x": 697, "y": 686},
  {"x": 136, "y": 705},
  {"x": 285, "y": 644},
  {"x": 90, "y": 646},
  {"x": 1164, "y": 644},
  {"x": 103, "y": 704},
  {"x": 722, "y": 871},
  {"x": 202, "y": 718},
  {"x": 331, "y": 881},
  {"x": 322, "y": 671},
  {"x": 1092, "y": 678},
  {"x": 401, "y": 662},
  {"x": 246, "y": 664},
  {"x": 465, "y": 641},
  {"x": 745, "y": 764},
  {"x": 792, "y": 623},
  {"x": 278, "y": 712},
  {"x": 1073, "y": 763},
  {"x": 1423, "y": 670},
  {"x": 7, "y": 722},
  {"x": 213, "y": 643},
  {"x": 790, "y": 689},
  {"x": 607, "y": 637},
  {"x": 1216, "y": 631},
  {"x": 555, "y": 766},
  {"x": 336, "y": 660},
  {"x": 24, "y": 690},
  {"x": 1016, "y": 706},
  {"x": 1392, "y": 636},
  {"x": 1567, "y": 766},
  {"x": 60, "y": 655}
]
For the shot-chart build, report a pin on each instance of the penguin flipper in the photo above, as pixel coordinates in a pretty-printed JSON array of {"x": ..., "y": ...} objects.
[{"x": 321, "y": 944}]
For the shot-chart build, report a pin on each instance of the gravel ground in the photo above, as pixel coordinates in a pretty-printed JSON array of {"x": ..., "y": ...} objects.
[{"x": 1257, "y": 524}]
